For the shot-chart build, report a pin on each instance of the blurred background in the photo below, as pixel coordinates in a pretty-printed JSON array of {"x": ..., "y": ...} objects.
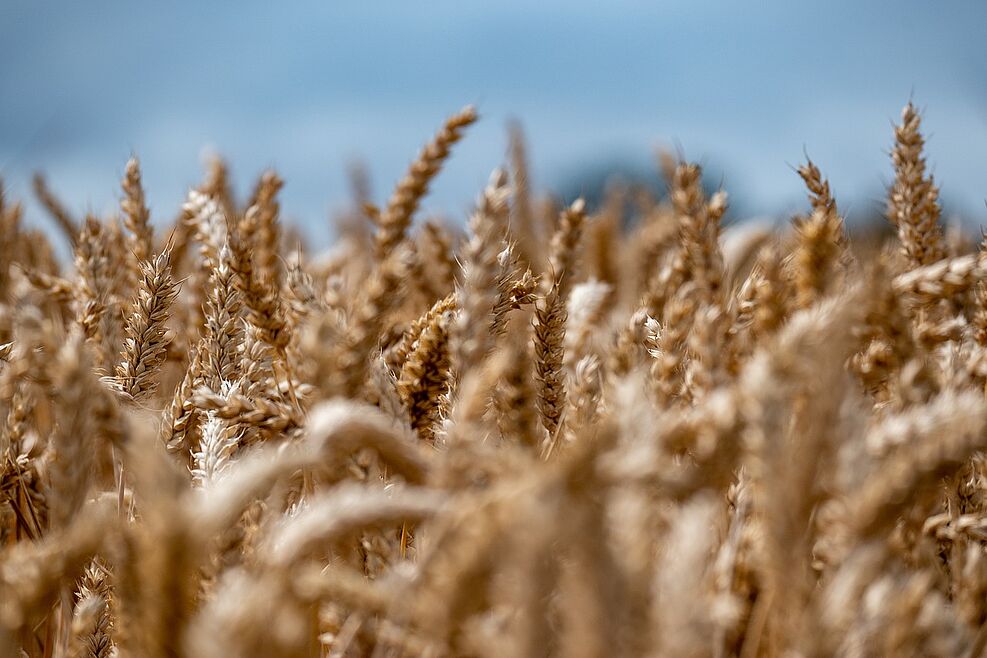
[{"x": 310, "y": 86}]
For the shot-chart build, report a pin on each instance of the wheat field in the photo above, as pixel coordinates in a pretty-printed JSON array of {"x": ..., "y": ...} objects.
[{"x": 557, "y": 431}]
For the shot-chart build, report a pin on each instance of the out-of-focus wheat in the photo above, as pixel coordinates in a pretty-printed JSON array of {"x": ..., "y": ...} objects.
[{"x": 623, "y": 430}]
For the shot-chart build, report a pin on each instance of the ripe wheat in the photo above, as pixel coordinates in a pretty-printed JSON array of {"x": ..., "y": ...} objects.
[{"x": 615, "y": 431}]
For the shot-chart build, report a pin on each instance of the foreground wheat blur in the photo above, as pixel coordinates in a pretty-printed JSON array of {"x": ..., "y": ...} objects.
[{"x": 570, "y": 431}]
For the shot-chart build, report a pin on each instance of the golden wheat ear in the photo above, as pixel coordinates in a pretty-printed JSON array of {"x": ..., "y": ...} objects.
[
  {"x": 394, "y": 220},
  {"x": 821, "y": 248},
  {"x": 424, "y": 376},
  {"x": 472, "y": 333},
  {"x": 549, "y": 335},
  {"x": 136, "y": 217},
  {"x": 147, "y": 337},
  {"x": 913, "y": 200},
  {"x": 92, "y": 619},
  {"x": 260, "y": 229},
  {"x": 562, "y": 258}
]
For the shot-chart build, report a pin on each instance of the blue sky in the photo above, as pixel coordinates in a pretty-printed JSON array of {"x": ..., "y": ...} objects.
[{"x": 307, "y": 86}]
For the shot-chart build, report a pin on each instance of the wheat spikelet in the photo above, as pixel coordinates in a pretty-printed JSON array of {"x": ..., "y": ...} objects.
[
  {"x": 398, "y": 354},
  {"x": 178, "y": 418},
  {"x": 563, "y": 254},
  {"x": 59, "y": 289},
  {"x": 147, "y": 339},
  {"x": 515, "y": 290},
  {"x": 700, "y": 259},
  {"x": 223, "y": 339},
  {"x": 217, "y": 442},
  {"x": 136, "y": 217},
  {"x": 262, "y": 413},
  {"x": 396, "y": 217},
  {"x": 549, "y": 336},
  {"x": 92, "y": 623},
  {"x": 820, "y": 197},
  {"x": 260, "y": 230},
  {"x": 95, "y": 285},
  {"x": 585, "y": 393},
  {"x": 424, "y": 375},
  {"x": 262, "y": 300},
  {"x": 821, "y": 240},
  {"x": 205, "y": 216},
  {"x": 476, "y": 295},
  {"x": 816, "y": 257},
  {"x": 913, "y": 200}
]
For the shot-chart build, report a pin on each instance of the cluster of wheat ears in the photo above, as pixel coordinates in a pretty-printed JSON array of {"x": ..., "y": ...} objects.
[{"x": 616, "y": 431}]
